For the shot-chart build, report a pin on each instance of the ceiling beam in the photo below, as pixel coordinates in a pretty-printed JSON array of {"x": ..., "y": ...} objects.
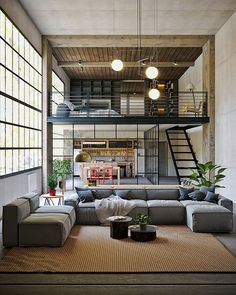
[
  {"x": 96, "y": 64},
  {"x": 127, "y": 40}
]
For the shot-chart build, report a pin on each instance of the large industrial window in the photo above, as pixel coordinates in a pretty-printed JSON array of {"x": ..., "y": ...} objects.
[
  {"x": 20, "y": 101},
  {"x": 58, "y": 91}
]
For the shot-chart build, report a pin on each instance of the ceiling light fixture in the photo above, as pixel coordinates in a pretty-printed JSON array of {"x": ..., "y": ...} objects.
[
  {"x": 117, "y": 65},
  {"x": 154, "y": 93},
  {"x": 152, "y": 72}
]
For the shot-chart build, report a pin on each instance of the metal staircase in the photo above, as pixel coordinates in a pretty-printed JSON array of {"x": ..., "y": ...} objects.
[{"x": 181, "y": 150}]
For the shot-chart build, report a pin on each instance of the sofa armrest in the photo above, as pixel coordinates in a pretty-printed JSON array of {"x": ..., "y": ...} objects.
[
  {"x": 71, "y": 198},
  {"x": 225, "y": 202}
]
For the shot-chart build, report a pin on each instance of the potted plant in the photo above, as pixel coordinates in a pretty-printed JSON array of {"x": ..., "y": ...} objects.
[
  {"x": 142, "y": 220},
  {"x": 209, "y": 175},
  {"x": 52, "y": 184},
  {"x": 61, "y": 168}
]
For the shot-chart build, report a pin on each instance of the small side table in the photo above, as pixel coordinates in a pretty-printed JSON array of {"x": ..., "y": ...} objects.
[
  {"x": 143, "y": 235},
  {"x": 119, "y": 226},
  {"x": 49, "y": 199}
]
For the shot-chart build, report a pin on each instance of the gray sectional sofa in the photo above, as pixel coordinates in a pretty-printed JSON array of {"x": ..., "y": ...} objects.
[
  {"x": 25, "y": 223},
  {"x": 162, "y": 204}
]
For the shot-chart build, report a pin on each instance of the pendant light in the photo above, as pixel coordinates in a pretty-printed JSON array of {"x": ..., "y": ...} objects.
[
  {"x": 117, "y": 65},
  {"x": 152, "y": 72},
  {"x": 154, "y": 93}
]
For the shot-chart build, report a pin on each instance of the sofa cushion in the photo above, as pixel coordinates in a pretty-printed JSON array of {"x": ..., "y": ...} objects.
[
  {"x": 184, "y": 191},
  {"x": 191, "y": 202},
  {"x": 162, "y": 194},
  {"x": 71, "y": 198},
  {"x": 101, "y": 193},
  {"x": 85, "y": 195},
  {"x": 33, "y": 200},
  {"x": 138, "y": 194},
  {"x": 139, "y": 203},
  {"x": 211, "y": 197},
  {"x": 123, "y": 193},
  {"x": 166, "y": 212},
  {"x": 86, "y": 214},
  {"x": 43, "y": 229},
  {"x": 69, "y": 210},
  {"x": 206, "y": 189},
  {"x": 197, "y": 195},
  {"x": 209, "y": 218}
]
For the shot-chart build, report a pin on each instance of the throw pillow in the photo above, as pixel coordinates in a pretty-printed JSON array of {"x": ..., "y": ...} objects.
[
  {"x": 211, "y": 197},
  {"x": 101, "y": 193},
  {"x": 85, "y": 195},
  {"x": 197, "y": 195},
  {"x": 123, "y": 193},
  {"x": 205, "y": 189},
  {"x": 184, "y": 193}
]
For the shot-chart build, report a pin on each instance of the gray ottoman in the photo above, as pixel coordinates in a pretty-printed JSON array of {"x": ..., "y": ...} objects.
[
  {"x": 41, "y": 229},
  {"x": 209, "y": 218}
]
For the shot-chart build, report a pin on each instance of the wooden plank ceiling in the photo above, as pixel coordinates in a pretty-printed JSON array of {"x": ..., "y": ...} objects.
[{"x": 89, "y": 54}]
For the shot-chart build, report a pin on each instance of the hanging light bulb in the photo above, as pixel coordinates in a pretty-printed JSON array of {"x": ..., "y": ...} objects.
[
  {"x": 151, "y": 72},
  {"x": 117, "y": 65},
  {"x": 154, "y": 93}
]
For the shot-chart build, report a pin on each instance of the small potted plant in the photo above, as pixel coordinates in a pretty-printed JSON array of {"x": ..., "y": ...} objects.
[
  {"x": 52, "y": 184},
  {"x": 142, "y": 220}
]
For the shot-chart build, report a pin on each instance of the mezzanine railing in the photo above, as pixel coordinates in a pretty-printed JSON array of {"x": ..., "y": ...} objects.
[{"x": 185, "y": 104}]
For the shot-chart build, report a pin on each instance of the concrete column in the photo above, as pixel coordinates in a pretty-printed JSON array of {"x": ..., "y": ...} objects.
[
  {"x": 208, "y": 142},
  {"x": 47, "y": 127}
]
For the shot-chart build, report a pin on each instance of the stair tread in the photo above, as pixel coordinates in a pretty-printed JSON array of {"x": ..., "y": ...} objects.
[
  {"x": 178, "y": 138},
  {"x": 182, "y": 152},
  {"x": 191, "y": 160},
  {"x": 180, "y": 145}
]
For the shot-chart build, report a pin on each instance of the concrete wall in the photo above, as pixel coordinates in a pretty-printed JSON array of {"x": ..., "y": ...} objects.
[
  {"x": 192, "y": 75},
  {"x": 225, "y": 125},
  {"x": 15, "y": 186}
]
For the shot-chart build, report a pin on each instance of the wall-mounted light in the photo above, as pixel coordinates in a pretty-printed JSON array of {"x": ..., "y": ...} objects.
[{"x": 117, "y": 65}]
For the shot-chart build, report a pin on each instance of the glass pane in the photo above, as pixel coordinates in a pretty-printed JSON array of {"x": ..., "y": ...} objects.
[
  {"x": 27, "y": 117},
  {"x": 27, "y": 159},
  {"x": 31, "y": 138},
  {"x": 3, "y": 52},
  {"x": 27, "y": 137},
  {"x": 15, "y": 160},
  {"x": 15, "y": 136},
  {"x": 21, "y": 160},
  {"x": 27, "y": 93},
  {"x": 22, "y": 91},
  {"x": 2, "y": 108},
  {"x": 8, "y": 110},
  {"x": 15, "y": 63},
  {"x": 15, "y": 38},
  {"x": 15, "y": 86},
  {"x": 21, "y": 67},
  {"x": 62, "y": 131},
  {"x": 22, "y": 137},
  {"x": 2, "y": 24},
  {"x": 21, "y": 44},
  {"x": 15, "y": 106},
  {"x": 2, "y": 162},
  {"x": 9, "y": 53},
  {"x": 27, "y": 46},
  {"x": 8, "y": 161},
  {"x": 2, "y": 79},
  {"x": 2, "y": 135},
  {"x": 9, "y": 31},
  {"x": 84, "y": 131},
  {"x": 8, "y": 82},
  {"x": 27, "y": 72},
  {"x": 8, "y": 136}
]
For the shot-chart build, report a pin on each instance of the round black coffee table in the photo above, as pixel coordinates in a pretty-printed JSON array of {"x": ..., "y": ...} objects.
[
  {"x": 119, "y": 226},
  {"x": 143, "y": 235}
]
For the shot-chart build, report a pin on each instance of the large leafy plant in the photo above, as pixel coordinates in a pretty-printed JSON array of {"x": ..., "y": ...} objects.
[
  {"x": 61, "y": 168},
  {"x": 209, "y": 175}
]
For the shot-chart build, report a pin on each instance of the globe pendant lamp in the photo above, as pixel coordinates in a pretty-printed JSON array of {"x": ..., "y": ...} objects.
[
  {"x": 151, "y": 72},
  {"x": 117, "y": 65},
  {"x": 154, "y": 93}
]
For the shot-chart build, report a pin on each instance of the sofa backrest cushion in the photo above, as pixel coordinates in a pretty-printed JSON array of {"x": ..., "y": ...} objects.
[
  {"x": 13, "y": 214},
  {"x": 138, "y": 194},
  {"x": 101, "y": 193},
  {"x": 33, "y": 201},
  {"x": 123, "y": 193},
  {"x": 85, "y": 195},
  {"x": 162, "y": 194}
]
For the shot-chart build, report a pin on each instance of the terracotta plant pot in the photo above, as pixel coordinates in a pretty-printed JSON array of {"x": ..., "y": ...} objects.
[{"x": 52, "y": 192}]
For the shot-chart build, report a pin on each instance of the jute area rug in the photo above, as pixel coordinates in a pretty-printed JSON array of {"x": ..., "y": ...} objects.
[{"x": 90, "y": 249}]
